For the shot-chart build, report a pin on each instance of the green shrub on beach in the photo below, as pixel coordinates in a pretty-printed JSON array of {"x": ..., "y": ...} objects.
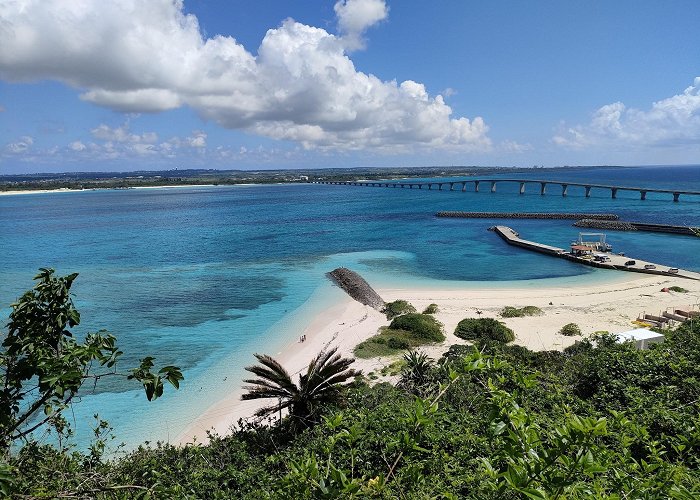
[
  {"x": 405, "y": 332},
  {"x": 422, "y": 326},
  {"x": 387, "y": 343},
  {"x": 431, "y": 309},
  {"x": 483, "y": 329},
  {"x": 570, "y": 330},
  {"x": 397, "y": 308},
  {"x": 515, "y": 312},
  {"x": 678, "y": 289}
]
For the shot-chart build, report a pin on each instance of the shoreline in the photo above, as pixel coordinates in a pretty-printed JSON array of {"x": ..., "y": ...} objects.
[
  {"x": 71, "y": 190},
  {"x": 609, "y": 306}
]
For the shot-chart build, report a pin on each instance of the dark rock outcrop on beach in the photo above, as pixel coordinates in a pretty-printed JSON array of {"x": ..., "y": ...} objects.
[
  {"x": 357, "y": 288},
  {"x": 525, "y": 215}
]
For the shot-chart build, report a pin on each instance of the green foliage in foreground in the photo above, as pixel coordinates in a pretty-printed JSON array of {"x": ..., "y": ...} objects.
[
  {"x": 597, "y": 421},
  {"x": 397, "y": 308},
  {"x": 678, "y": 289},
  {"x": 515, "y": 312},
  {"x": 570, "y": 330},
  {"x": 593, "y": 422},
  {"x": 484, "y": 329},
  {"x": 43, "y": 366}
]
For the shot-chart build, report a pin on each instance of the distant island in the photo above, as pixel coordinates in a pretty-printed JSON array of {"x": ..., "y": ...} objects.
[{"x": 193, "y": 177}]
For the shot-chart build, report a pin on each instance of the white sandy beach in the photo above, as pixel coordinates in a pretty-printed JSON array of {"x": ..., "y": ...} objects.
[
  {"x": 611, "y": 307},
  {"x": 67, "y": 190}
]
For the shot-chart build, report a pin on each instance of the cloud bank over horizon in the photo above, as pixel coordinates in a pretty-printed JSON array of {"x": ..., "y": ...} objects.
[
  {"x": 669, "y": 122},
  {"x": 150, "y": 56}
]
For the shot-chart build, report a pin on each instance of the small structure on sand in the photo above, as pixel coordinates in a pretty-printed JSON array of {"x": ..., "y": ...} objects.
[{"x": 642, "y": 337}]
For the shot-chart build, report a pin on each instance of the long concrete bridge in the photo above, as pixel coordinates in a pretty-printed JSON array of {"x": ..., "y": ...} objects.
[{"x": 492, "y": 183}]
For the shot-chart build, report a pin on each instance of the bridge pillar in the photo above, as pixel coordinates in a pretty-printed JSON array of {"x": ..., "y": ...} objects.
[
  {"x": 642, "y": 195},
  {"x": 452, "y": 186},
  {"x": 439, "y": 187},
  {"x": 564, "y": 189},
  {"x": 430, "y": 186},
  {"x": 476, "y": 186},
  {"x": 522, "y": 188},
  {"x": 543, "y": 188},
  {"x": 420, "y": 186},
  {"x": 464, "y": 187},
  {"x": 588, "y": 191},
  {"x": 676, "y": 196},
  {"x": 402, "y": 186},
  {"x": 410, "y": 186},
  {"x": 613, "y": 192},
  {"x": 493, "y": 186}
]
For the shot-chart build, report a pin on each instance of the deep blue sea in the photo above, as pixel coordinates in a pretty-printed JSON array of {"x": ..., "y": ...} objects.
[{"x": 203, "y": 277}]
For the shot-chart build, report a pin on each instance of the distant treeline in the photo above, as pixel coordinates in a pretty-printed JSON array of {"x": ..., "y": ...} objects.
[{"x": 115, "y": 180}]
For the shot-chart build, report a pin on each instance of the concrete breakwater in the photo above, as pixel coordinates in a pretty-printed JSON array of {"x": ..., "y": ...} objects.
[
  {"x": 356, "y": 287},
  {"x": 618, "y": 225},
  {"x": 527, "y": 215}
]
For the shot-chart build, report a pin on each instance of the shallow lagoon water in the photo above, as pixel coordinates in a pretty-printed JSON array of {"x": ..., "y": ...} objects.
[{"x": 204, "y": 277}]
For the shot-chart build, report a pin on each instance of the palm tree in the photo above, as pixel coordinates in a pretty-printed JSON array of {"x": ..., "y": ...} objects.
[
  {"x": 417, "y": 372},
  {"x": 320, "y": 384}
]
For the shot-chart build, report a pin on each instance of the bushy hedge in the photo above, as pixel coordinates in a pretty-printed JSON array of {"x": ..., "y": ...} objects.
[
  {"x": 431, "y": 309},
  {"x": 484, "y": 329},
  {"x": 397, "y": 308},
  {"x": 570, "y": 329},
  {"x": 515, "y": 312},
  {"x": 423, "y": 326}
]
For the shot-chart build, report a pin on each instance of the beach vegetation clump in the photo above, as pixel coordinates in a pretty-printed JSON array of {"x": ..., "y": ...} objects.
[
  {"x": 570, "y": 330},
  {"x": 519, "y": 312},
  {"x": 393, "y": 368},
  {"x": 484, "y": 329},
  {"x": 431, "y": 309},
  {"x": 386, "y": 343},
  {"x": 678, "y": 289},
  {"x": 405, "y": 332},
  {"x": 397, "y": 308},
  {"x": 421, "y": 326}
]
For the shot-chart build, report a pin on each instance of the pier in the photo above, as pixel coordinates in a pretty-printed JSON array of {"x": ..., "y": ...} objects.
[
  {"x": 461, "y": 185},
  {"x": 616, "y": 262}
]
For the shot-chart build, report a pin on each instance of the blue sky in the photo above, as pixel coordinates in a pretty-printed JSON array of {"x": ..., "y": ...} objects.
[{"x": 159, "y": 84}]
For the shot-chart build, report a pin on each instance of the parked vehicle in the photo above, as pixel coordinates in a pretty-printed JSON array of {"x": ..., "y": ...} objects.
[
  {"x": 630, "y": 262},
  {"x": 649, "y": 266},
  {"x": 672, "y": 270}
]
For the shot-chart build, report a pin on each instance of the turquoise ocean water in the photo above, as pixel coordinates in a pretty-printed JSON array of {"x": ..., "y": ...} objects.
[{"x": 203, "y": 277}]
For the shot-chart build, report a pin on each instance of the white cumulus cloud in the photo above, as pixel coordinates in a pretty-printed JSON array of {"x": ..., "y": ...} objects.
[
  {"x": 669, "y": 122},
  {"x": 22, "y": 145},
  {"x": 122, "y": 134},
  {"x": 356, "y": 16},
  {"x": 77, "y": 146},
  {"x": 149, "y": 56}
]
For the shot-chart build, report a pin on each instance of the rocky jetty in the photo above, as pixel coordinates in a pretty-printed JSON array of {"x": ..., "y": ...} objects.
[
  {"x": 637, "y": 226},
  {"x": 526, "y": 215},
  {"x": 357, "y": 288},
  {"x": 613, "y": 225}
]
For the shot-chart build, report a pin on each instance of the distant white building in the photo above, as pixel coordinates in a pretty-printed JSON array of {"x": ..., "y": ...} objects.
[{"x": 642, "y": 337}]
